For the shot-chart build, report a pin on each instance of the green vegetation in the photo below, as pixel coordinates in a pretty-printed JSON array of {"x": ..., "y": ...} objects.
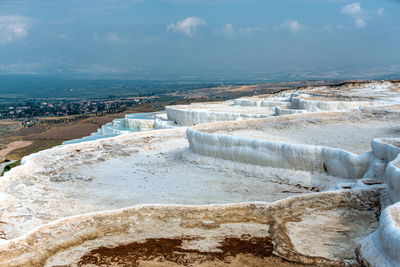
[{"x": 9, "y": 167}]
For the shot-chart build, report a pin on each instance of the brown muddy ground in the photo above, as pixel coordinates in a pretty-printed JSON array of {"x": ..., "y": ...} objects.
[
  {"x": 13, "y": 146},
  {"x": 232, "y": 252}
]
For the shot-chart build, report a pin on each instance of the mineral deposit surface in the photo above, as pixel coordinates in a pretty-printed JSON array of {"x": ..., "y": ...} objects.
[{"x": 308, "y": 176}]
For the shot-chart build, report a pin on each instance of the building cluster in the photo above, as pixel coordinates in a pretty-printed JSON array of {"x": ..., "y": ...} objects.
[{"x": 59, "y": 108}]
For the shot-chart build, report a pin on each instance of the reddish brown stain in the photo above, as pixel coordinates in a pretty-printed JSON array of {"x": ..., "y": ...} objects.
[{"x": 171, "y": 250}]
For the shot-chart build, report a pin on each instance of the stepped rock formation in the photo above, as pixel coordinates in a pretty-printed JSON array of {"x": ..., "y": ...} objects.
[{"x": 309, "y": 176}]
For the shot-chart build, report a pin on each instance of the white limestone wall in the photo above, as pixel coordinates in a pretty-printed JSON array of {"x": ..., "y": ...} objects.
[
  {"x": 271, "y": 103},
  {"x": 247, "y": 102},
  {"x": 161, "y": 122},
  {"x": 389, "y": 233},
  {"x": 320, "y": 105},
  {"x": 385, "y": 151},
  {"x": 279, "y": 155},
  {"x": 382, "y": 248},
  {"x": 138, "y": 124},
  {"x": 293, "y": 103},
  {"x": 281, "y": 110},
  {"x": 187, "y": 117},
  {"x": 392, "y": 176}
]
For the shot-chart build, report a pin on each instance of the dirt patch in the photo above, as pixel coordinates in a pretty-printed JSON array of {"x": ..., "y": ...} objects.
[
  {"x": 67, "y": 132},
  {"x": 35, "y": 146},
  {"x": 13, "y": 146},
  {"x": 171, "y": 252}
]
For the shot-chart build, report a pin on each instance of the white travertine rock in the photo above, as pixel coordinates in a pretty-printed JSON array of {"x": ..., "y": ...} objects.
[
  {"x": 186, "y": 117},
  {"x": 139, "y": 124},
  {"x": 267, "y": 102},
  {"x": 384, "y": 150},
  {"x": 320, "y": 228},
  {"x": 282, "y": 110},
  {"x": 135, "y": 122},
  {"x": 279, "y": 155},
  {"x": 382, "y": 248},
  {"x": 6, "y": 200},
  {"x": 161, "y": 122},
  {"x": 392, "y": 177},
  {"x": 278, "y": 221},
  {"x": 320, "y": 105}
]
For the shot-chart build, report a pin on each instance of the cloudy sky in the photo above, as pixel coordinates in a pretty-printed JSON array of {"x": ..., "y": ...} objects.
[{"x": 197, "y": 36}]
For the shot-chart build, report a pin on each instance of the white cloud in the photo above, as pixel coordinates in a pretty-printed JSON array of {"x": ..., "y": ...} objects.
[
  {"x": 361, "y": 23},
  {"x": 360, "y": 15},
  {"x": 353, "y": 9},
  {"x": 228, "y": 29},
  {"x": 357, "y": 12},
  {"x": 13, "y": 28},
  {"x": 114, "y": 38},
  {"x": 292, "y": 25},
  {"x": 187, "y": 26}
]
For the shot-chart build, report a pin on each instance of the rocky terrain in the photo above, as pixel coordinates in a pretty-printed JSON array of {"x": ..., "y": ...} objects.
[{"x": 302, "y": 177}]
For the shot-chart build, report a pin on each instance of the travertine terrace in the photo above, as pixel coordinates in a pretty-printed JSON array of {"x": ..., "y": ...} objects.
[{"x": 308, "y": 176}]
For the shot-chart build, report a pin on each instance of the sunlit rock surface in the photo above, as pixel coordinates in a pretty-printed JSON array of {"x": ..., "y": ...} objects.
[
  {"x": 314, "y": 174},
  {"x": 135, "y": 122}
]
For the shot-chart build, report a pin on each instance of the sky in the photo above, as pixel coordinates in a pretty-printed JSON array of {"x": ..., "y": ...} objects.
[{"x": 191, "y": 37}]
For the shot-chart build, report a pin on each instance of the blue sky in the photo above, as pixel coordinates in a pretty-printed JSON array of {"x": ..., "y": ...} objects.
[{"x": 199, "y": 36}]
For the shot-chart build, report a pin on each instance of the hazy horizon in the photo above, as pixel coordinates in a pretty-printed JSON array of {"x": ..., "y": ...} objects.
[{"x": 297, "y": 39}]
